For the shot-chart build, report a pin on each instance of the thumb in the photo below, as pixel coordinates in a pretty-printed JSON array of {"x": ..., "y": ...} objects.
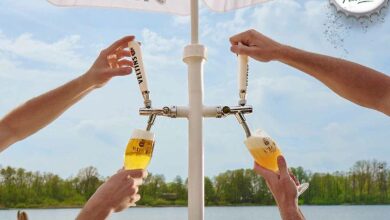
[
  {"x": 282, "y": 165},
  {"x": 242, "y": 49}
]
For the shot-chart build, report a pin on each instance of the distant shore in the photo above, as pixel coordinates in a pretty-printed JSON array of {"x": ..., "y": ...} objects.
[{"x": 179, "y": 206}]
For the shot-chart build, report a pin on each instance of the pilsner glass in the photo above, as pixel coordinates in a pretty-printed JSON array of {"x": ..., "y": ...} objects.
[
  {"x": 139, "y": 150},
  {"x": 265, "y": 152}
]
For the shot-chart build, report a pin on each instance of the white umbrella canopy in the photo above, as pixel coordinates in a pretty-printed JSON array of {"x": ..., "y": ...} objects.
[
  {"x": 179, "y": 7},
  {"x": 227, "y": 5}
]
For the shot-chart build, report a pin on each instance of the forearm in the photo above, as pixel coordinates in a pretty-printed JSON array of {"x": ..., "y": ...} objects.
[
  {"x": 40, "y": 111},
  {"x": 291, "y": 212},
  {"x": 93, "y": 212},
  {"x": 357, "y": 83}
]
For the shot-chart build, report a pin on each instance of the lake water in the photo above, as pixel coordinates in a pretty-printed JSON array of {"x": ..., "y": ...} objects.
[{"x": 377, "y": 212}]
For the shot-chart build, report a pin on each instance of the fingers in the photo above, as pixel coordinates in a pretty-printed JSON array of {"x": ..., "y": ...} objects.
[
  {"x": 241, "y": 37},
  {"x": 243, "y": 50},
  {"x": 114, "y": 59},
  {"x": 125, "y": 63},
  {"x": 282, "y": 165},
  {"x": 121, "y": 71},
  {"x": 137, "y": 173},
  {"x": 119, "y": 43},
  {"x": 294, "y": 178},
  {"x": 135, "y": 177},
  {"x": 133, "y": 190},
  {"x": 267, "y": 174},
  {"x": 123, "y": 53},
  {"x": 244, "y": 37},
  {"x": 135, "y": 198}
]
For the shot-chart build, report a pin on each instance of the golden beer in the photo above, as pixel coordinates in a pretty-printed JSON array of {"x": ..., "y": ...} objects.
[
  {"x": 139, "y": 150},
  {"x": 264, "y": 150}
]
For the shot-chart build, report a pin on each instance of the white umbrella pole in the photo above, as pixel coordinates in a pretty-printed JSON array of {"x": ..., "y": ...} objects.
[{"x": 194, "y": 55}]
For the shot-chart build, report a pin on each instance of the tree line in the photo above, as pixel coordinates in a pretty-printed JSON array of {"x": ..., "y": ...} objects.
[{"x": 367, "y": 182}]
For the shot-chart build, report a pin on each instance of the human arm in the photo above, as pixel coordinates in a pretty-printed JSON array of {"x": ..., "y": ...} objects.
[
  {"x": 357, "y": 83},
  {"x": 38, "y": 112},
  {"x": 116, "y": 194},
  {"x": 283, "y": 187}
]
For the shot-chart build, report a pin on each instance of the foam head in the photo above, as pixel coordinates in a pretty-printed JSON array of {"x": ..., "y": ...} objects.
[{"x": 142, "y": 134}]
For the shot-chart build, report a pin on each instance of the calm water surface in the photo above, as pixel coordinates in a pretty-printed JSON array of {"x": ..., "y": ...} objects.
[{"x": 218, "y": 213}]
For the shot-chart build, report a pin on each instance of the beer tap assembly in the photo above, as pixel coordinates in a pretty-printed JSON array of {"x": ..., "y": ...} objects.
[
  {"x": 181, "y": 111},
  {"x": 261, "y": 146}
]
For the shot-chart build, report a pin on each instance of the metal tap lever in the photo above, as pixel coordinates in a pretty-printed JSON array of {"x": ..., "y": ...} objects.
[
  {"x": 227, "y": 110},
  {"x": 151, "y": 120},
  {"x": 241, "y": 119},
  {"x": 165, "y": 111},
  {"x": 239, "y": 112}
]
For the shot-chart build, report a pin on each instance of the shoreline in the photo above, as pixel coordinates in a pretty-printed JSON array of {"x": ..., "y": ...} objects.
[{"x": 173, "y": 206}]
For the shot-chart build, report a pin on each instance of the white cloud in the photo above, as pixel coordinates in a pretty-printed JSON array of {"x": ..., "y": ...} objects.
[
  {"x": 62, "y": 52},
  {"x": 156, "y": 43}
]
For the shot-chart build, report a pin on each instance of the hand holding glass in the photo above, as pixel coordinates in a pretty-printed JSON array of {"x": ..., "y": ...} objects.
[{"x": 265, "y": 152}]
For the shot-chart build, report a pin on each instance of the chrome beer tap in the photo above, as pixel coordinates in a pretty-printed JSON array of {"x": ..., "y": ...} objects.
[{"x": 239, "y": 112}]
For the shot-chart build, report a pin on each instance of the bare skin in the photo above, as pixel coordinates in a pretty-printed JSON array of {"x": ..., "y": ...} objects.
[
  {"x": 359, "y": 84},
  {"x": 38, "y": 112},
  {"x": 120, "y": 191},
  {"x": 115, "y": 195},
  {"x": 283, "y": 186}
]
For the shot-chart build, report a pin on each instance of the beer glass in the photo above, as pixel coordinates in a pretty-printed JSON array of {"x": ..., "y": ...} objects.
[
  {"x": 139, "y": 150},
  {"x": 265, "y": 152}
]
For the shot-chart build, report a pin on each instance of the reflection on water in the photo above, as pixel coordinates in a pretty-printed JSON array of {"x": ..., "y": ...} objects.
[{"x": 218, "y": 213}]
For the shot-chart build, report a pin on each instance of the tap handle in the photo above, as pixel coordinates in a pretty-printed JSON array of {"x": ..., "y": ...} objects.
[
  {"x": 136, "y": 56},
  {"x": 242, "y": 77}
]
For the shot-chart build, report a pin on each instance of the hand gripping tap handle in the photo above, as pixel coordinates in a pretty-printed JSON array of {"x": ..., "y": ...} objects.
[
  {"x": 242, "y": 77},
  {"x": 136, "y": 56}
]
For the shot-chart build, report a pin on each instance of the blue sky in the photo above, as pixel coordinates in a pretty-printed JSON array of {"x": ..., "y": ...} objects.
[{"x": 43, "y": 46}]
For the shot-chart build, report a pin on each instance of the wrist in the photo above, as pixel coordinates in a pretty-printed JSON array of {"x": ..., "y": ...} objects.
[
  {"x": 282, "y": 53},
  {"x": 92, "y": 211},
  {"x": 289, "y": 210},
  {"x": 87, "y": 80}
]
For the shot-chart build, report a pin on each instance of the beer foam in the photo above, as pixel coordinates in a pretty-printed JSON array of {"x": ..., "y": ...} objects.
[
  {"x": 142, "y": 134},
  {"x": 260, "y": 139}
]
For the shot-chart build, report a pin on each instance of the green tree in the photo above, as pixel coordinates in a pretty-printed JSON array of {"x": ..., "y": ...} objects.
[{"x": 210, "y": 195}]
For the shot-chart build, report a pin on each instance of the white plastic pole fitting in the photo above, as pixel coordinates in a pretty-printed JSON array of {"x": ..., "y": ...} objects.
[{"x": 208, "y": 111}]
